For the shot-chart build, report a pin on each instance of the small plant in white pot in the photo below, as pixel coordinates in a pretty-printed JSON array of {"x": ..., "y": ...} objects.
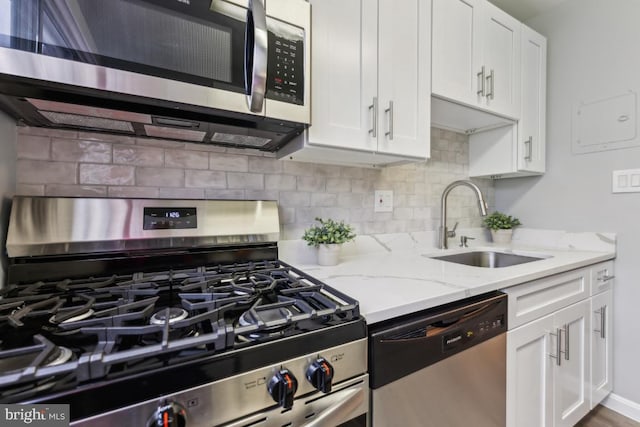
[
  {"x": 328, "y": 237},
  {"x": 501, "y": 226}
]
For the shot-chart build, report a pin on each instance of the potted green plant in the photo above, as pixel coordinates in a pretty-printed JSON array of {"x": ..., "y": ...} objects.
[
  {"x": 501, "y": 226},
  {"x": 328, "y": 237}
]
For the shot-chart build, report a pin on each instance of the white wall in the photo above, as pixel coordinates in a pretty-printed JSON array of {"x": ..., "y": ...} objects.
[
  {"x": 7, "y": 180},
  {"x": 593, "y": 52}
]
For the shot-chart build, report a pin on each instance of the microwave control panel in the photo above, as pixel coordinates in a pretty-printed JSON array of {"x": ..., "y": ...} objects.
[{"x": 285, "y": 69}]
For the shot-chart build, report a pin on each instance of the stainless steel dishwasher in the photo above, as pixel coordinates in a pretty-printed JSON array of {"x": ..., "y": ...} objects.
[{"x": 441, "y": 367}]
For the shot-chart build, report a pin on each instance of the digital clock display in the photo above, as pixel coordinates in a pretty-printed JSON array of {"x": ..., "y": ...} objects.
[{"x": 170, "y": 218}]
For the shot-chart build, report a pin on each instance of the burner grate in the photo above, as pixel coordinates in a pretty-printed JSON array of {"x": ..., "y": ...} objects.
[{"x": 118, "y": 325}]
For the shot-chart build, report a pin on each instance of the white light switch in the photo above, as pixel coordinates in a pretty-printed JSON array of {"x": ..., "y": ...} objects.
[
  {"x": 626, "y": 181},
  {"x": 622, "y": 181},
  {"x": 383, "y": 201}
]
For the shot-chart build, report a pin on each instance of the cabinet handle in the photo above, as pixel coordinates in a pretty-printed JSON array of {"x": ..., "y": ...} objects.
[
  {"x": 481, "y": 82},
  {"x": 529, "y": 146},
  {"x": 390, "y": 112},
  {"x": 558, "y": 336},
  {"x": 374, "y": 107},
  {"x": 566, "y": 341},
  {"x": 490, "y": 76},
  {"x": 603, "y": 321},
  {"x": 603, "y": 275}
]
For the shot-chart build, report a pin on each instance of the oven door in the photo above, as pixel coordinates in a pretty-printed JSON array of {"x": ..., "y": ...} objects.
[{"x": 211, "y": 53}]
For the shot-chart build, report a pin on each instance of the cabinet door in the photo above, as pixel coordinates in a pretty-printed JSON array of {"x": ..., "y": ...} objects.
[
  {"x": 571, "y": 390},
  {"x": 456, "y": 57},
  {"x": 501, "y": 59},
  {"x": 344, "y": 69},
  {"x": 601, "y": 346},
  {"x": 530, "y": 374},
  {"x": 532, "y": 125},
  {"x": 404, "y": 89}
]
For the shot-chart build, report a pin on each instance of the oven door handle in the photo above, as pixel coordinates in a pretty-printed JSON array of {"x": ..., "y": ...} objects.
[
  {"x": 255, "y": 55},
  {"x": 350, "y": 400}
]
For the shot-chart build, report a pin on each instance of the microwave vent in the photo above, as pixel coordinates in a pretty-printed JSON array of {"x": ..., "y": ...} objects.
[
  {"x": 243, "y": 140},
  {"x": 86, "y": 110},
  {"x": 173, "y": 133},
  {"x": 87, "y": 121}
]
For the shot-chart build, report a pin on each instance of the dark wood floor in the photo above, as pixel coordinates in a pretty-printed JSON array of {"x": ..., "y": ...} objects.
[{"x": 604, "y": 417}]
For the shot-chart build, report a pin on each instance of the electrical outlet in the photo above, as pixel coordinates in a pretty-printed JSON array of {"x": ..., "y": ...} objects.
[{"x": 383, "y": 201}]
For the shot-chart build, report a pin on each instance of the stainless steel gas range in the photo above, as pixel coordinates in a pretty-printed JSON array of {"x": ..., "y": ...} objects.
[{"x": 173, "y": 313}]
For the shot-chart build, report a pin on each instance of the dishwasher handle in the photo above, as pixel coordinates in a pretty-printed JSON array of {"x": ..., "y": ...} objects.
[
  {"x": 401, "y": 347},
  {"x": 440, "y": 327},
  {"x": 443, "y": 323}
]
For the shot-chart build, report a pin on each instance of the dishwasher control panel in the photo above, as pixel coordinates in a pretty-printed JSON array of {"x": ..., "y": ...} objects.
[{"x": 472, "y": 331}]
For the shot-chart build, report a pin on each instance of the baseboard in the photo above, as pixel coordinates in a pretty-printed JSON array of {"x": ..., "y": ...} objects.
[{"x": 626, "y": 407}]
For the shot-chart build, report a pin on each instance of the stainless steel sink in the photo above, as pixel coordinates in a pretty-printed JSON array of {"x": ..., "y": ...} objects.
[{"x": 488, "y": 259}]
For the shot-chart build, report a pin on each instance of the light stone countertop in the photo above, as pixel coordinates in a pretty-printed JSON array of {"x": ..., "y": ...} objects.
[{"x": 393, "y": 275}]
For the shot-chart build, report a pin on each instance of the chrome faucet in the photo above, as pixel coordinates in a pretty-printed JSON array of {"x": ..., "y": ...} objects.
[{"x": 443, "y": 232}]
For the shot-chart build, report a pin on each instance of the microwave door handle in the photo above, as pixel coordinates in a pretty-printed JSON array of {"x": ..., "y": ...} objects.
[{"x": 255, "y": 55}]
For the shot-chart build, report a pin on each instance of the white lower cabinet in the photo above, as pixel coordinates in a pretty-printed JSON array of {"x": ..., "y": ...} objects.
[
  {"x": 530, "y": 374},
  {"x": 601, "y": 346},
  {"x": 571, "y": 369},
  {"x": 559, "y": 363},
  {"x": 547, "y": 369}
]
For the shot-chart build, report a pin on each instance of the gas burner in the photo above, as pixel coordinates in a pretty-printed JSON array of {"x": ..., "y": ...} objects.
[
  {"x": 265, "y": 334},
  {"x": 58, "y": 356},
  {"x": 264, "y": 324},
  {"x": 175, "y": 314},
  {"x": 268, "y": 317}
]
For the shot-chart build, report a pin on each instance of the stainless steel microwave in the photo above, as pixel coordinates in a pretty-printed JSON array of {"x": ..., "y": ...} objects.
[{"x": 232, "y": 72}]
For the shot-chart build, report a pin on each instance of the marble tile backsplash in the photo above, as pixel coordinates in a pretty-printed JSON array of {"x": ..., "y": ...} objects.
[{"x": 71, "y": 163}]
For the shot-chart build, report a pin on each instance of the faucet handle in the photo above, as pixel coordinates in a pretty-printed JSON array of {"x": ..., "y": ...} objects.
[
  {"x": 464, "y": 239},
  {"x": 452, "y": 232}
]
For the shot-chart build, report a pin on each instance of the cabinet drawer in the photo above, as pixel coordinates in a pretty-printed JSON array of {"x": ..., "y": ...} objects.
[
  {"x": 533, "y": 300},
  {"x": 602, "y": 277}
]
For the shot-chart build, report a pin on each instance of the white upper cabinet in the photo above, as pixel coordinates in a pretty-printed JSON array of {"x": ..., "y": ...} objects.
[
  {"x": 532, "y": 124},
  {"x": 501, "y": 59},
  {"x": 370, "y": 90},
  {"x": 476, "y": 56},
  {"x": 518, "y": 149},
  {"x": 455, "y": 56},
  {"x": 404, "y": 50},
  {"x": 344, "y": 73}
]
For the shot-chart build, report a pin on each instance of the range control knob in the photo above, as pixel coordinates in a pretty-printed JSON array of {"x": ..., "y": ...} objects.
[
  {"x": 168, "y": 414},
  {"x": 282, "y": 386},
  {"x": 320, "y": 374}
]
